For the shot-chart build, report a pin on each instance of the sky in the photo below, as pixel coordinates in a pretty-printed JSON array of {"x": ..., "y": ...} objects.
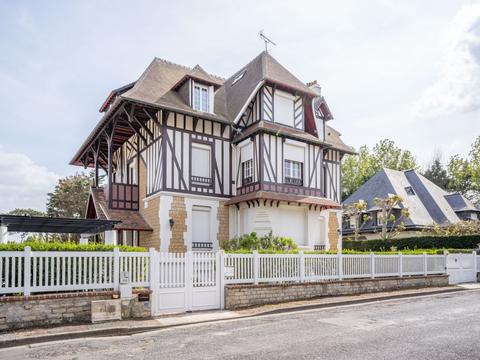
[{"x": 403, "y": 70}]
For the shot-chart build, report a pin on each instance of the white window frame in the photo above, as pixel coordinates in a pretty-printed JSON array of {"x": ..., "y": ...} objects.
[
  {"x": 378, "y": 219},
  {"x": 201, "y": 104},
  {"x": 247, "y": 170},
  {"x": 203, "y": 147},
  {"x": 291, "y": 171},
  {"x": 284, "y": 119}
]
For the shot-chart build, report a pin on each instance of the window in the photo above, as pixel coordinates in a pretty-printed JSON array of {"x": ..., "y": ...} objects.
[
  {"x": 201, "y": 227},
  {"x": 247, "y": 172},
  {"x": 293, "y": 172},
  {"x": 352, "y": 222},
  {"x": 379, "y": 219},
  {"x": 201, "y": 165},
  {"x": 283, "y": 108},
  {"x": 409, "y": 190},
  {"x": 238, "y": 77},
  {"x": 200, "y": 98}
]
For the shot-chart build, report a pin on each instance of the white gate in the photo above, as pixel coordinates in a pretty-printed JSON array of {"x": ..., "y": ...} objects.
[
  {"x": 462, "y": 268},
  {"x": 187, "y": 281}
]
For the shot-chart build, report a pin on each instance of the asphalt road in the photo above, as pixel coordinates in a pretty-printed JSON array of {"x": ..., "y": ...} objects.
[{"x": 445, "y": 326}]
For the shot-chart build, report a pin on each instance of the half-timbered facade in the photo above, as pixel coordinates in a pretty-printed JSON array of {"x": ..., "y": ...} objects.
[{"x": 192, "y": 159}]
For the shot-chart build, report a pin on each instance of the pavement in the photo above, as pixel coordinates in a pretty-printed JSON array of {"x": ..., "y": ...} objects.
[
  {"x": 130, "y": 327},
  {"x": 436, "y": 326}
]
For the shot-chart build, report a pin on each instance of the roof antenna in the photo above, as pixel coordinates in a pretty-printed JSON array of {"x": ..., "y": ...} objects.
[{"x": 266, "y": 39}]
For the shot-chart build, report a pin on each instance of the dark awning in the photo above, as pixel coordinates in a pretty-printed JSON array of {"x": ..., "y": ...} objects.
[{"x": 36, "y": 224}]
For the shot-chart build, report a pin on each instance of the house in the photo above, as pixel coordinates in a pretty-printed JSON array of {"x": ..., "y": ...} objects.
[
  {"x": 427, "y": 203},
  {"x": 193, "y": 159}
]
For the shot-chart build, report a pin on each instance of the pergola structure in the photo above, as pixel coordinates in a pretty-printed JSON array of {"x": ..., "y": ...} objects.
[{"x": 37, "y": 224}]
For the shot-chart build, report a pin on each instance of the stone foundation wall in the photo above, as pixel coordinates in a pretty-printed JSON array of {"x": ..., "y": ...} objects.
[
  {"x": 243, "y": 296},
  {"x": 21, "y": 312}
]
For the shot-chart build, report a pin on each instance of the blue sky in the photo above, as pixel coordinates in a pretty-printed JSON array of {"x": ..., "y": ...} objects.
[{"x": 405, "y": 70}]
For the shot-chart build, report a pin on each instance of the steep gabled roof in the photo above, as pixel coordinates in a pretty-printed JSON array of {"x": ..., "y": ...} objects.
[
  {"x": 429, "y": 205},
  {"x": 264, "y": 68}
]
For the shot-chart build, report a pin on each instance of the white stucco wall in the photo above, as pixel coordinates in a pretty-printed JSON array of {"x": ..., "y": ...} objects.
[{"x": 306, "y": 227}]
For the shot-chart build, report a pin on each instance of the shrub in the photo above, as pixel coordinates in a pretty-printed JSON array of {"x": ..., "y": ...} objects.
[
  {"x": 249, "y": 242},
  {"x": 412, "y": 243},
  {"x": 66, "y": 246}
]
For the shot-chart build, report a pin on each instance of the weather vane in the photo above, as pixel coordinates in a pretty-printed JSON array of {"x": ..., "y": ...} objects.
[{"x": 266, "y": 40}]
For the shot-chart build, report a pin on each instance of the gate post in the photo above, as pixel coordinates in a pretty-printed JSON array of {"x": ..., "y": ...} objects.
[
  {"x": 255, "y": 267},
  {"x": 340, "y": 265},
  {"x": 301, "y": 259},
  {"x": 26, "y": 271},
  {"x": 154, "y": 285},
  {"x": 425, "y": 269},
  {"x": 400, "y": 264},
  {"x": 188, "y": 280},
  {"x": 221, "y": 277},
  {"x": 474, "y": 254},
  {"x": 116, "y": 269},
  {"x": 372, "y": 264}
]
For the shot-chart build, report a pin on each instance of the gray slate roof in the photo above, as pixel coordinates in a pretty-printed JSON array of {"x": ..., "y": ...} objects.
[{"x": 430, "y": 204}]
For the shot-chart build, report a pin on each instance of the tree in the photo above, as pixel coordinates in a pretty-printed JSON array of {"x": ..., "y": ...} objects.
[
  {"x": 436, "y": 173},
  {"x": 27, "y": 212},
  {"x": 357, "y": 169},
  {"x": 391, "y": 224},
  {"x": 70, "y": 197},
  {"x": 356, "y": 212},
  {"x": 465, "y": 173}
]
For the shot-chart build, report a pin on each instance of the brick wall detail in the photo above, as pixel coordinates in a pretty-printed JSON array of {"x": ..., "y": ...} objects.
[
  {"x": 151, "y": 214},
  {"x": 333, "y": 235},
  {"x": 223, "y": 223}
]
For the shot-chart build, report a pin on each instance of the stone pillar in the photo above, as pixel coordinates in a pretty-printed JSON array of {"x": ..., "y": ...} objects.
[
  {"x": 111, "y": 237},
  {"x": 333, "y": 233},
  {"x": 3, "y": 234},
  {"x": 178, "y": 214}
]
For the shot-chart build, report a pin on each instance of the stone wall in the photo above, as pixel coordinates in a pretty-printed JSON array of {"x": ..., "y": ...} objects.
[
  {"x": 151, "y": 213},
  {"x": 178, "y": 214},
  {"x": 243, "y": 296},
  {"x": 21, "y": 312}
]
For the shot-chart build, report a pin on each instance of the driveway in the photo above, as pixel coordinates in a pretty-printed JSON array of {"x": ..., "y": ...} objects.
[{"x": 444, "y": 326}]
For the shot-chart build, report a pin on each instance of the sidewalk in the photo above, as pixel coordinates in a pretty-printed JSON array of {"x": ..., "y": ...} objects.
[{"x": 129, "y": 327}]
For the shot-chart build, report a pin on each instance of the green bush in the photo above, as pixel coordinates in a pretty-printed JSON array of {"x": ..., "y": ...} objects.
[
  {"x": 252, "y": 241},
  {"x": 412, "y": 243},
  {"x": 66, "y": 246}
]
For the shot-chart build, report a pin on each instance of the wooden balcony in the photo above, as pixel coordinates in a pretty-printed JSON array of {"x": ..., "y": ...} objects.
[{"x": 124, "y": 196}]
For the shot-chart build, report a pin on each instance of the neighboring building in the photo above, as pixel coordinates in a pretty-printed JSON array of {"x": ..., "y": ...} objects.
[
  {"x": 193, "y": 159},
  {"x": 427, "y": 203}
]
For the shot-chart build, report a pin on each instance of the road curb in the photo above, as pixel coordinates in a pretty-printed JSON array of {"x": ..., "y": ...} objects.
[{"x": 124, "y": 331}]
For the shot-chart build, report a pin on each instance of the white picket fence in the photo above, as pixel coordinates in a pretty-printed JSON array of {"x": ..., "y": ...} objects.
[
  {"x": 51, "y": 271},
  {"x": 257, "y": 268},
  {"x": 30, "y": 272}
]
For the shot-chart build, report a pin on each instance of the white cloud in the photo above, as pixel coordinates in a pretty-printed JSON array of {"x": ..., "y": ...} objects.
[
  {"x": 458, "y": 88},
  {"x": 22, "y": 182}
]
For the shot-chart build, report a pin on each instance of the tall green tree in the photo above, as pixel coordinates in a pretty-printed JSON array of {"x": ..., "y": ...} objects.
[
  {"x": 437, "y": 173},
  {"x": 357, "y": 169},
  {"x": 27, "y": 212},
  {"x": 465, "y": 173},
  {"x": 70, "y": 197}
]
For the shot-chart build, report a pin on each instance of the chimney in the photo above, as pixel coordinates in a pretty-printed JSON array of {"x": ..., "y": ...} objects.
[{"x": 315, "y": 87}]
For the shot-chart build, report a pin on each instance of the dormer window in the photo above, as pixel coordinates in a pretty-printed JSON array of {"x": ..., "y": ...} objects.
[{"x": 201, "y": 98}]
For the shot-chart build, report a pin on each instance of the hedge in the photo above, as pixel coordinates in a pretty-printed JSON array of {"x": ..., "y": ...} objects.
[
  {"x": 66, "y": 246},
  {"x": 421, "y": 242}
]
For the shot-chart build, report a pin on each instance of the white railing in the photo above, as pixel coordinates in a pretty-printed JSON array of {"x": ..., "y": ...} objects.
[
  {"x": 52, "y": 271},
  {"x": 256, "y": 268}
]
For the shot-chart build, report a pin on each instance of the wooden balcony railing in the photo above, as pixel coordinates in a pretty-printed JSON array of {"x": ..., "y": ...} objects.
[{"x": 124, "y": 197}]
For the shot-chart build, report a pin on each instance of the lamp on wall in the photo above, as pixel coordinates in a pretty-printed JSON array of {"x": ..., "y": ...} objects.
[{"x": 172, "y": 222}]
